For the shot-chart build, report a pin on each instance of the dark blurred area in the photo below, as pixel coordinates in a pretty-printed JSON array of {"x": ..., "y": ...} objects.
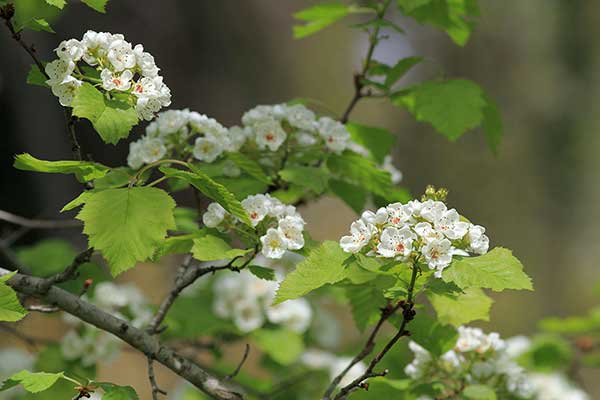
[{"x": 540, "y": 196}]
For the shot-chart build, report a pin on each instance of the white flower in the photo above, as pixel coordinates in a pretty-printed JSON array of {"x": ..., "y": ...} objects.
[
  {"x": 293, "y": 314},
  {"x": 290, "y": 230},
  {"x": 120, "y": 54},
  {"x": 96, "y": 44},
  {"x": 395, "y": 173},
  {"x": 112, "y": 81},
  {"x": 145, "y": 87},
  {"x": 207, "y": 149},
  {"x": 360, "y": 235},
  {"x": 399, "y": 214},
  {"x": 237, "y": 138},
  {"x": 146, "y": 107},
  {"x": 145, "y": 61},
  {"x": 396, "y": 242},
  {"x": 353, "y": 373},
  {"x": 334, "y": 133},
  {"x": 152, "y": 149},
  {"x": 317, "y": 359},
  {"x": 71, "y": 50},
  {"x": 432, "y": 210},
  {"x": 306, "y": 139},
  {"x": 209, "y": 126},
  {"x": 555, "y": 387},
  {"x": 449, "y": 223},
  {"x": 257, "y": 207},
  {"x": 426, "y": 231},
  {"x": 135, "y": 159},
  {"x": 300, "y": 117},
  {"x": 269, "y": 134},
  {"x": 59, "y": 71},
  {"x": 478, "y": 241},
  {"x": 247, "y": 315},
  {"x": 214, "y": 215},
  {"x": 375, "y": 218},
  {"x": 416, "y": 368},
  {"x": 66, "y": 90},
  {"x": 438, "y": 254},
  {"x": 170, "y": 121},
  {"x": 273, "y": 245}
]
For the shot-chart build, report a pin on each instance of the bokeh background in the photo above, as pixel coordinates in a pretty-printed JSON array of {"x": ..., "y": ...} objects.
[{"x": 540, "y": 59}]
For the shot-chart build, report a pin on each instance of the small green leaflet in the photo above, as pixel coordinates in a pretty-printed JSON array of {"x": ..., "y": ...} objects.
[
  {"x": 548, "y": 353},
  {"x": 36, "y": 77},
  {"x": 377, "y": 140},
  {"x": 264, "y": 273},
  {"x": 282, "y": 345},
  {"x": 127, "y": 224},
  {"x": 462, "y": 308},
  {"x": 211, "y": 248},
  {"x": 365, "y": 301},
  {"x": 11, "y": 309},
  {"x": 116, "y": 392},
  {"x": 84, "y": 170},
  {"x": 112, "y": 119},
  {"x": 492, "y": 124},
  {"x": 98, "y": 5},
  {"x": 211, "y": 189},
  {"x": 57, "y": 3},
  {"x": 578, "y": 325},
  {"x": 496, "y": 270},
  {"x": 358, "y": 170},
  {"x": 354, "y": 196},
  {"x": 324, "y": 265},
  {"x": 400, "y": 69},
  {"x": 33, "y": 382},
  {"x": 312, "y": 178},
  {"x": 322, "y": 15},
  {"x": 479, "y": 392},
  {"x": 34, "y": 15},
  {"x": 435, "y": 337},
  {"x": 249, "y": 166},
  {"x": 175, "y": 245}
]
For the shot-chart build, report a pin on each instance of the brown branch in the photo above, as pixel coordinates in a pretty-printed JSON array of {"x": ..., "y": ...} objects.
[
  {"x": 71, "y": 271},
  {"x": 239, "y": 367},
  {"x": 38, "y": 223},
  {"x": 152, "y": 378}
]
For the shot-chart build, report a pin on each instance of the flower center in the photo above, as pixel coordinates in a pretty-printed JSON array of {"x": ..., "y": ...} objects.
[{"x": 270, "y": 137}]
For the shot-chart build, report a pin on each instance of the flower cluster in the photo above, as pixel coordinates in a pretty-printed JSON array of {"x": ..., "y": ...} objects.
[
  {"x": 319, "y": 359},
  {"x": 88, "y": 344},
  {"x": 247, "y": 301},
  {"x": 426, "y": 229},
  {"x": 280, "y": 224},
  {"x": 477, "y": 358},
  {"x": 123, "y": 68}
]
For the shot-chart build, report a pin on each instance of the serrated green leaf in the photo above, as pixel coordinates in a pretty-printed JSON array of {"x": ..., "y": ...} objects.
[
  {"x": 282, "y": 345},
  {"x": 462, "y": 308},
  {"x": 324, "y": 265},
  {"x": 33, "y": 15},
  {"x": 39, "y": 24},
  {"x": 434, "y": 337},
  {"x": 211, "y": 248},
  {"x": 175, "y": 245},
  {"x": 492, "y": 124},
  {"x": 496, "y": 270},
  {"x": 479, "y": 392},
  {"x": 313, "y": 178},
  {"x": 35, "y": 382},
  {"x": 211, "y": 189},
  {"x": 11, "y": 309},
  {"x": 400, "y": 69},
  {"x": 127, "y": 224},
  {"x": 112, "y": 119},
  {"x": 77, "y": 201},
  {"x": 365, "y": 302},
  {"x": 263, "y": 273},
  {"x": 115, "y": 178},
  {"x": 116, "y": 392},
  {"x": 98, "y": 5},
  {"x": 249, "y": 166},
  {"x": 358, "y": 170},
  {"x": 354, "y": 196},
  {"x": 57, "y": 3},
  {"x": 36, "y": 77},
  {"x": 84, "y": 170},
  {"x": 319, "y": 17},
  {"x": 377, "y": 140},
  {"x": 452, "y": 107}
]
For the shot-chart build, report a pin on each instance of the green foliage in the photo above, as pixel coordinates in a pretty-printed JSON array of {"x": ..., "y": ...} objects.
[
  {"x": 365, "y": 301},
  {"x": 11, "y": 309},
  {"x": 324, "y": 265},
  {"x": 455, "y": 17},
  {"x": 312, "y": 178},
  {"x": 377, "y": 140},
  {"x": 400, "y": 69},
  {"x": 385, "y": 388},
  {"x": 211, "y": 248},
  {"x": 116, "y": 177},
  {"x": 57, "y": 3},
  {"x": 573, "y": 325},
  {"x": 34, "y": 15},
  {"x": 112, "y": 119},
  {"x": 36, "y": 77},
  {"x": 116, "y": 392},
  {"x": 462, "y": 308},
  {"x": 354, "y": 196},
  {"x": 33, "y": 382},
  {"x": 84, "y": 171},
  {"x": 263, "y": 273},
  {"x": 492, "y": 124},
  {"x": 127, "y": 224},
  {"x": 479, "y": 392},
  {"x": 496, "y": 270},
  {"x": 322, "y": 15},
  {"x": 435, "y": 337},
  {"x": 211, "y": 189},
  {"x": 282, "y": 345},
  {"x": 358, "y": 170},
  {"x": 249, "y": 166},
  {"x": 98, "y": 5},
  {"x": 548, "y": 353}
]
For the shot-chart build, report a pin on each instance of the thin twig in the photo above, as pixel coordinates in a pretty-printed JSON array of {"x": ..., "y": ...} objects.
[
  {"x": 71, "y": 271},
  {"x": 39, "y": 223},
  {"x": 239, "y": 367},
  {"x": 155, "y": 389}
]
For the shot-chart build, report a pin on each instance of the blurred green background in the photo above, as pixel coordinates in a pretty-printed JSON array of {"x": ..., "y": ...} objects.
[{"x": 538, "y": 58}]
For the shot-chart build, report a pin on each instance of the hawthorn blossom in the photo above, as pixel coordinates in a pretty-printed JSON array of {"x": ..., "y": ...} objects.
[
  {"x": 438, "y": 254},
  {"x": 360, "y": 236},
  {"x": 334, "y": 133},
  {"x": 207, "y": 149},
  {"x": 273, "y": 244},
  {"x": 257, "y": 207},
  {"x": 269, "y": 134},
  {"x": 112, "y": 81},
  {"x": 396, "y": 242},
  {"x": 290, "y": 229}
]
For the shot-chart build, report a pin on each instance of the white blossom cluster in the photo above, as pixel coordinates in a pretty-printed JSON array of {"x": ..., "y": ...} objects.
[
  {"x": 89, "y": 344},
  {"x": 323, "y": 360},
  {"x": 123, "y": 69},
  {"x": 248, "y": 302},
  {"x": 425, "y": 229},
  {"x": 282, "y": 225},
  {"x": 479, "y": 357}
]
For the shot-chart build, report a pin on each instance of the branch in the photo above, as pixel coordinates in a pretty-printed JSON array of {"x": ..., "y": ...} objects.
[
  {"x": 155, "y": 389},
  {"x": 239, "y": 367},
  {"x": 358, "y": 77},
  {"x": 38, "y": 223},
  {"x": 71, "y": 271},
  {"x": 142, "y": 341}
]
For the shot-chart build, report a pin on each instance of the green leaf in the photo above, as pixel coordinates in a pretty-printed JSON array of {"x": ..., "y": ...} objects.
[
  {"x": 34, "y": 382},
  {"x": 479, "y": 392},
  {"x": 385, "y": 388},
  {"x": 354, "y": 196},
  {"x": 400, "y": 69},
  {"x": 98, "y": 5},
  {"x": 435, "y": 337},
  {"x": 377, "y": 140},
  {"x": 211, "y": 189},
  {"x": 264, "y": 273},
  {"x": 116, "y": 392},
  {"x": 496, "y": 270},
  {"x": 11, "y": 309},
  {"x": 242, "y": 186},
  {"x": 459, "y": 309},
  {"x": 40, "y": 25},
  {"x": 249, "y": 166},
  {"x": 451, "y": 107},
  {"x": 175, "y": 245},
  {"x": 366, "y": 302},
  {"x": 127, "y": 224},
  {"x": 112, "y": 119},
  {"x": 282, "y": 345},
  {"x": 36, "y": 77},
  {"x": 84, "y": 170},
  {"x": 57, "y": 3},
  {"x": 47, "y": 257},
  {"x": 319, "y": 17},
  {"x": 358, "y": 170},
  {"x": 573, "y": 325},
  {"x": 313, "y": 178},
  {"x": 34, "y": 15},
  {"x": 210, "y": 248},
  {"x": 324, "y": 265},
  {"x": 115, "y": 178},
  {"x": 548, "y": 353},
  {"x": 492, "y": 125}
]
